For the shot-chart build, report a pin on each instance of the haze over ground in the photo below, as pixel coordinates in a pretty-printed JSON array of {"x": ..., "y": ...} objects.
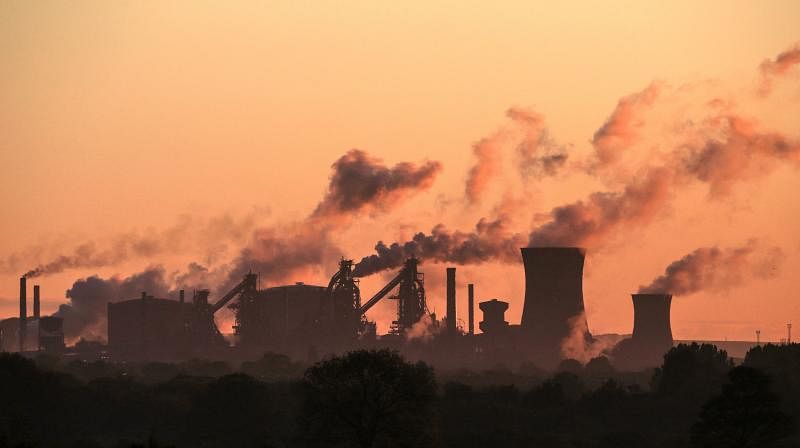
[{"x": 196, "y": 124}]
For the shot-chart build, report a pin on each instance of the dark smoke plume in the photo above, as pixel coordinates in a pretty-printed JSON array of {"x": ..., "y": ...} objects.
[
  {"x": 279, "y": 254},
  {"x": 85, "y": 314},
  {"x": 490, "y": 241},
  {"x": 715, "y": 268},
  {"x": 586, "y": 223},
  {"x": 621, "y": 128},
  {"x": 359, "y": 184},
  {"x": 772, "y": 69},
  {"x": 362, "y": 183}
]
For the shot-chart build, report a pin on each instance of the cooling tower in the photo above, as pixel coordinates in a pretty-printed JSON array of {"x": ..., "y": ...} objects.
[
  {"x": 652, "y": 334},
  {"x": 553, "y": 298},
  {"x": 651, "y": 319}
]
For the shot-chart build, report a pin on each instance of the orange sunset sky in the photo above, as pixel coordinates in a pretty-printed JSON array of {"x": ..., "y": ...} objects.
[{"x": 199, "y": 123}]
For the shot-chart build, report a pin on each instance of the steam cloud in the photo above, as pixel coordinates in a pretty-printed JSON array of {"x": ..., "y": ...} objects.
[
  {"x": 770, "y": 70},
  {"x": 715, "y": 268},
  {"x": 538, "y": 155},
  {"x": 735, "y": 150},
  {"x": 487, "y": 152},
  {"x": 587, "y": 222},
  {"x": 360, "y": 182},
  {"x": 491, "y": 240},
  {"x": 576, "y": 345},
  {"x": 620, "y": 129},
  {"x": 188, "y": 233}
]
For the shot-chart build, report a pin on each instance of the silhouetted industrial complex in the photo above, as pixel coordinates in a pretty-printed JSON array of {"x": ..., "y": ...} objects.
[{"x": 307, "y": 321}]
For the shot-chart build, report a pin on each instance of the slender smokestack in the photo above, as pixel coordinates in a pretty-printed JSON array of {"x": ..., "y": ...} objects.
[
  {"x": 451, "y": 300},
  {"x": 181, "y": 295},
  {"x": 23, "y": 311},
  {"x": 36, "y": 302},
  {"x": 651, "y": 323},
  {"x": 471, "y": 307},
  {"x": 553, "y": 298}
]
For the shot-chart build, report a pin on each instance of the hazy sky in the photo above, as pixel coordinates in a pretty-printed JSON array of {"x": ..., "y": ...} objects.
[{"x": 125, "y": 118}]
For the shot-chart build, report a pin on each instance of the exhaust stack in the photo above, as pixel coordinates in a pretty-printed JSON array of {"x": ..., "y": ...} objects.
[
  {"x": 553, "y": 298},
  {"x": 36, "y": 302},
  {"x": 471, "y": 307},
  {"x": 23, "y": 311},
  {"x": 451, "y": 300}
]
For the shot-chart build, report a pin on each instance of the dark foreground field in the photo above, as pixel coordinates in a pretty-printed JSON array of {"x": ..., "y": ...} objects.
[{"x": 377, "y": 399}]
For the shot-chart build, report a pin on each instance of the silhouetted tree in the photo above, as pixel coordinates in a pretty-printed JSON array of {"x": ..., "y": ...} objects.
[
  {"x": 782, "y": 364},
  {"x": 369, "y": 399},
  {"x": 692, "y": 372},
  {"x": 745, "y": 415},
  {"x": 235, "y": 410}
]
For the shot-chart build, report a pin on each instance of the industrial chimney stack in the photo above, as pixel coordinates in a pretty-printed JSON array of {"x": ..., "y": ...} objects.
[
  {"x": 36, "y": 302},
  {"x": 471, "y": 307},
  {"x": 451, "y": 300},
  {"x": 23, "y": 312}
]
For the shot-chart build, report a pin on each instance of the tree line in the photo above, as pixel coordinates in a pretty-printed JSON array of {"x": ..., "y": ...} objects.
[{"x": 697, "y": 398}]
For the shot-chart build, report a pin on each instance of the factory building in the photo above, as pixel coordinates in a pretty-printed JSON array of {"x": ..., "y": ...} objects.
[
  {"x": 31, "y": 333},
  {"x": 281, "y": 315},
  {"x": 300, "y": 319},
  {"x": 162, "y": 329}
]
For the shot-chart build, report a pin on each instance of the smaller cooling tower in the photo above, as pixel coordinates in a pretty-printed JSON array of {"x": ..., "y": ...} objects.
[
  {"x": 651, "y": 319},
  {"x": 652, "y": 333}
]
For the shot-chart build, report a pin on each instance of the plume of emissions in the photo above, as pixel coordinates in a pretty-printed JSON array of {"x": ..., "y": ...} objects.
[
  {"x": 186, "y": 234},
  {"x": 620, "y": 130},
  {"x": 85, "y": 313},
  {"x": 539, "y": 155},
  {"x": 362, "y": 183},
  {"x": 279, "y": 254},
  {"x": 586, "y": 223},
  {"x": 487, "y": 151},
  {"x": 779, "y": 67},
  {"x": 714, "y": 268},
  {"x": 491, "y": 240},
  {"x": 424, "y": 330},
  {"x": 732, "y": 148},
  {"x": 576, "y": 345},
  {"x": 359, "y": 183}
]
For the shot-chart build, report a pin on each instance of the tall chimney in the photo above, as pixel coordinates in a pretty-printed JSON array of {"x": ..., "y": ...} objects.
[
  {"x": 36, "y": 302},
  {"x": 553, "y": 298},
  {"x": 180, "y": 295},
  {"x": 471, "y": 307},
  {"x": 451, "y": 300},
  {"x": 23, "y": 312}
]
